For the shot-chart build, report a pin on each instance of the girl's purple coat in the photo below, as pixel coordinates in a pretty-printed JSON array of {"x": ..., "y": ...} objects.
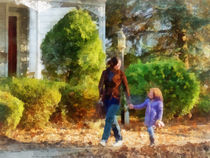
[{"x": 154, "y": 111}]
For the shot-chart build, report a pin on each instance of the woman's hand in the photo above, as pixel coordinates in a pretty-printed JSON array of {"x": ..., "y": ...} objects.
[
  {"x": 100, "y": 97},
  {"x": 130, "y": 106}
]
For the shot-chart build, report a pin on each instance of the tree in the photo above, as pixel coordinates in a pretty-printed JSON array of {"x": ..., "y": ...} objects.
[
  {"x": 72, "y": 49},
  {"x": 116, "y": 15},
  {"x": 72, "y": 52},
  {"x": 185, "y": 26}
]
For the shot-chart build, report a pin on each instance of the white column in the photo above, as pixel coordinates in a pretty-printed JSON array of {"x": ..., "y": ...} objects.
[
  {"x": 32, "y": 41},
  {"x": 39, "y": 64},
  {"x": 7, "y": 39},
  {"x": 34, "y": 44}
]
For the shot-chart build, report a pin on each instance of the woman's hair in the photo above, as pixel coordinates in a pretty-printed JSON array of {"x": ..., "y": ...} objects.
[
  {"x": 157, "y": 94},
  {"x": 113, "y": 62},
  {"x": 108, "y": 62}
]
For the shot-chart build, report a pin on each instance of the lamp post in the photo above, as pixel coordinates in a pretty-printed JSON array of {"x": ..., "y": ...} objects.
[{"x": 121, "y": 45}]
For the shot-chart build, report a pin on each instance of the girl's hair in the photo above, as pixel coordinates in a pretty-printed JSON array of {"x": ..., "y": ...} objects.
[
  {"x": 157, "y": 94},
  {"x": 113, "y": 62}
]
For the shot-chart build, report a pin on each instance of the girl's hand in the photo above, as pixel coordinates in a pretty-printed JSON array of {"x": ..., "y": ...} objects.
[
  {"x": 159, "y": 123},
  {"x": 130, "y": 106}
]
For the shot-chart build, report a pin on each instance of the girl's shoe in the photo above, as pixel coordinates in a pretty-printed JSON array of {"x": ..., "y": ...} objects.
[
  {"x": 152, "y": 141},
  {"x": 102, "y": 143},
  {"x": 152, "y": 144}
]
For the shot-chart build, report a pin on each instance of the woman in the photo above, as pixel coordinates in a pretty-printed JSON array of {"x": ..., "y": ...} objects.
[{"x": 109, "y": 90}]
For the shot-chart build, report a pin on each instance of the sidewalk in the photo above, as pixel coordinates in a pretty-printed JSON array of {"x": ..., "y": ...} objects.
[{"x": 177, "y": 139}]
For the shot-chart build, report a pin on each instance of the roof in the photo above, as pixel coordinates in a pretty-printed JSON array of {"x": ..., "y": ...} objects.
[
  {"x": 69, "y": 1},
  {"x": 45, "y": 4}
]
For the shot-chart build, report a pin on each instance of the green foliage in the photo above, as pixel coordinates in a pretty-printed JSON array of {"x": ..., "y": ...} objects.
[
  {"x": 180, "y": 88},
  {"x": 204, "y": 104},
  {"x": 185, "y": 25},
  {"x": 4, "y": 84},
  {"x": 72, "y": 50},
  {"x": 40, "y": 97},
  {"x": 180, "y": 28},
  {"x": 11, "y": 110},
  {"x": 116, "y": 14},
  {"x": 130, "y": 59},
  {"x": 180, "y": 16},
  {"x": 78, "y": 100}
]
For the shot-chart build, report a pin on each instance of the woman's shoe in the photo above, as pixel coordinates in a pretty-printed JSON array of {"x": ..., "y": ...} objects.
[
  {"x": 102, "y": 143},
  {"x": 118, "y": 143}
]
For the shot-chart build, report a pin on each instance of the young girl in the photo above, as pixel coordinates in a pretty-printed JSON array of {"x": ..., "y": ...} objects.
[{"x": 154, "y": 111}]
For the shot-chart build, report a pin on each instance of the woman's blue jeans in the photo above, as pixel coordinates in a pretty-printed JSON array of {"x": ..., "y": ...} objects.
[{"x": 112, "y": 123}]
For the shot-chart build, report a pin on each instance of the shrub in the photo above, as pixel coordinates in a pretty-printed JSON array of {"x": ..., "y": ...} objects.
[
  {"x": 72, "y": 52},
  {"x": 40, "y": 97},
  {"x": 179, "y": 87},
  {"x": 130, "y": 59},
  {"x": 11, "y": 110},
  {"x": 204, "y": 104},
  {"x": 4, "y": 84},
  {"x": 78, "y": 101}
]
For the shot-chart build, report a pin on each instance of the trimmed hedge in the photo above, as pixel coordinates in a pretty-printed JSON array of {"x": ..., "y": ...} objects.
[
  {"x": 78, "y": 101},
  {"x": 204, "y": 104},
  {"x": 180, "y": 88},
  {"x": 4, "y": 84},
  {"x": 40, "y": 97},
  {"x": 11, "y": 110},
  {"x": 72, "y": 52}
]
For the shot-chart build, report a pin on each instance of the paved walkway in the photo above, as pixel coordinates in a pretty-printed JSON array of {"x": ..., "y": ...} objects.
[{"x": 186, "y": 139}]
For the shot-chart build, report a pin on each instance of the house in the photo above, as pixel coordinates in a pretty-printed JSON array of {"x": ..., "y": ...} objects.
[{"x": 24, "y": 24}]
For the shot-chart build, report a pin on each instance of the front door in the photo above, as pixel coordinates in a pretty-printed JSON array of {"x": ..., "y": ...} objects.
[{"x": 12, "y": 53}]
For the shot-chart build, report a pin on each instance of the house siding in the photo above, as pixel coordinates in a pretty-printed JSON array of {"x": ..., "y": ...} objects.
[
  {"x": 3, "y": 51},
  {"x": 46, "y": 23},
  {"x": 33, "y": 26},
  {"x": 46, "y": 20}
]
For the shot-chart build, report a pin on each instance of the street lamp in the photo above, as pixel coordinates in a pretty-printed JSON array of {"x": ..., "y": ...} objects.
[{"x": 121, "y": 45}]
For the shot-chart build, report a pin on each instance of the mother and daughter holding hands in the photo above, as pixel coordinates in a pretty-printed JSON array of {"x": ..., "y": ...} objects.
[{"x": 109, "y": 90}]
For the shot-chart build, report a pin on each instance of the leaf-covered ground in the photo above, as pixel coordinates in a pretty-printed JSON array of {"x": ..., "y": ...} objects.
[{"x": 180, "y": 138}]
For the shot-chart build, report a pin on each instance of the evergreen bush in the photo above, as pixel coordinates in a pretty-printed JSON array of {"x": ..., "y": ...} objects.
[
  {"x": 40, "y": 97},
  {"x": 4, "y": 84},
  {"x": 11, "y": 110},
  {"x": 72, "y": 52},
  {"x": 78, "y": 101},
  {"x": 204, "y": 104},
  {"x": 180, "y": 88}
]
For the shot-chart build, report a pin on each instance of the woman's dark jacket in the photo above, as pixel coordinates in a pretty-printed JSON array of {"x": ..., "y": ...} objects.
[{"x": 110, "y": 83}]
